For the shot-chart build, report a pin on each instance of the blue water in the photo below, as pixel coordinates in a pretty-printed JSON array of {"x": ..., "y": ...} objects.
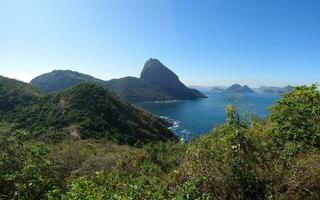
[{"x": 193, "y": 118}]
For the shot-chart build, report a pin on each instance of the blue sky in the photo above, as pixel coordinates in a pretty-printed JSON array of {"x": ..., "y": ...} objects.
[{"x": 206, "y": 42}]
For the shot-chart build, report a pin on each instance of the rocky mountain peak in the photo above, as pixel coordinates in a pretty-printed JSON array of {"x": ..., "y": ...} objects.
[{"x": 157, "y": 74}]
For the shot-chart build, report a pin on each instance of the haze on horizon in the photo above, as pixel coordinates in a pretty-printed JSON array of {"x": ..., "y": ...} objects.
[{"x": 211, "y": 42}]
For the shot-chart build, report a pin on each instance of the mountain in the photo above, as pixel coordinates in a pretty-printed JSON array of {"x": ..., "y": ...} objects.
[
  {"x": 134, "y": 89},
  {"x": 129, "y": 88},
  {"x": 276, "y": 90},
  {"x": 236, "y": 88},
  {"x": 83, "y": 111},
  {"x": 61, "y": 79},
  {"x": 14, "y": 94},
  {"x": 155, "y": 73}
]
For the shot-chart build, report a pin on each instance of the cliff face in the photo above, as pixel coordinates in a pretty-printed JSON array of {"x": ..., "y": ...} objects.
[{"x": 155, "y": 73}]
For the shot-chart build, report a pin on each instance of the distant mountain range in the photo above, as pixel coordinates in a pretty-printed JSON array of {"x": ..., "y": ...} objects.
[
  {"x": 156, "y": 83},
  {"x": 275, "y": 90},
  {"x": 246, "y": 89}
]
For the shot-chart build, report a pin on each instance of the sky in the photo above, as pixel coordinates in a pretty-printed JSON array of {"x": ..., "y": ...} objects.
[{"x": 205, "y": 42}]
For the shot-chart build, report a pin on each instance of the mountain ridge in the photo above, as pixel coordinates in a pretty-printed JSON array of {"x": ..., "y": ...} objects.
[
  {"x": 129, "y": 88},
  {"x": 276, "y": 90}
]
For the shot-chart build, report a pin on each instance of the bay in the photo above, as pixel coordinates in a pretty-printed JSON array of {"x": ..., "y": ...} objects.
[{"x": 197, "y": 117}]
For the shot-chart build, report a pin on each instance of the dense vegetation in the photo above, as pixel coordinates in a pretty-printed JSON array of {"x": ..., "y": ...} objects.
[
  {"x": 15, "y": 94},
  {"x": 245, "y": 158},
  {"x": 84, "y": 111}
]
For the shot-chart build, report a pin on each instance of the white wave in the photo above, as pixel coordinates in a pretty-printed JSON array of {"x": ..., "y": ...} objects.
[{"x": 184, "y": 134}]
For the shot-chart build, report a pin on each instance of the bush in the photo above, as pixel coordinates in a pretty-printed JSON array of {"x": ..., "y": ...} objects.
[
  {"x": 25, "y": 173},
  {"x": 296, "y": 117}
]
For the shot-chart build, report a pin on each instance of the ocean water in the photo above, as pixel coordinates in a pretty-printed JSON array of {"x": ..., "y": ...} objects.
[{"x": 193, "y": 118}]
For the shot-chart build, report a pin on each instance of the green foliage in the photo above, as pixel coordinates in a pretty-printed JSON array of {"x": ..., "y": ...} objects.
[
  {"x": 277, "y": 158},
  {"x": 226, "y": 162},
  {"x": 25, "y": 173},
  {"x": 233, "y": 117},
  {"x": 296, "y": 117},
  {"x": 165, "y": 156},
  {"x": 297, "y": 180},
  {"x": 80, "y": 188},
  {"x": 89, "y": 111},
  {"x": 123, "y": 172},
  {"x": 15, "y": 94}
]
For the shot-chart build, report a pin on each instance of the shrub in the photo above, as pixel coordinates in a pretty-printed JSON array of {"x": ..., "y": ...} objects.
[{"x": 296, "y": 117}]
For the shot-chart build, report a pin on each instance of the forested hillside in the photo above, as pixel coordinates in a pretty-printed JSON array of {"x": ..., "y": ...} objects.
[
  {"x": 245, "y": 158},
  {"x": 83, "y": 111},
  {"x": 15, "y": 94}
]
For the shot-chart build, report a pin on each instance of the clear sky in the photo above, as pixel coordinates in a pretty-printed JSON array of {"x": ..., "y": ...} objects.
[{"x": 206, "y": 42}]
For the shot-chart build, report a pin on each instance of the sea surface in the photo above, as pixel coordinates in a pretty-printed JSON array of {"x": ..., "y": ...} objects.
[{"x": 197, "y": 117}]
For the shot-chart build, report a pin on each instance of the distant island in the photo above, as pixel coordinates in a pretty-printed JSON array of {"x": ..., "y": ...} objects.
[
  {"x": 156, "y": 83},
  {"x": 275, "y": 90},
  {"x": 236, "y": 88}
]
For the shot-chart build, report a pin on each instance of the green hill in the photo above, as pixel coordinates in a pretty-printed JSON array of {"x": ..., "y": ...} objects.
[
  {"x": 245, "y": 158},
  {"x": 15, "y": 94},
  {"x": 83, "y": 111},
  {"x": 58, "y": 80}
]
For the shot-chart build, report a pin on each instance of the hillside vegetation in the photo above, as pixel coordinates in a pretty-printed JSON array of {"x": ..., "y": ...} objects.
[
  {"x": 15, "y": 94},
  {"x": 83, "y": 111},
  {"x": 245, "y": 158}
]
